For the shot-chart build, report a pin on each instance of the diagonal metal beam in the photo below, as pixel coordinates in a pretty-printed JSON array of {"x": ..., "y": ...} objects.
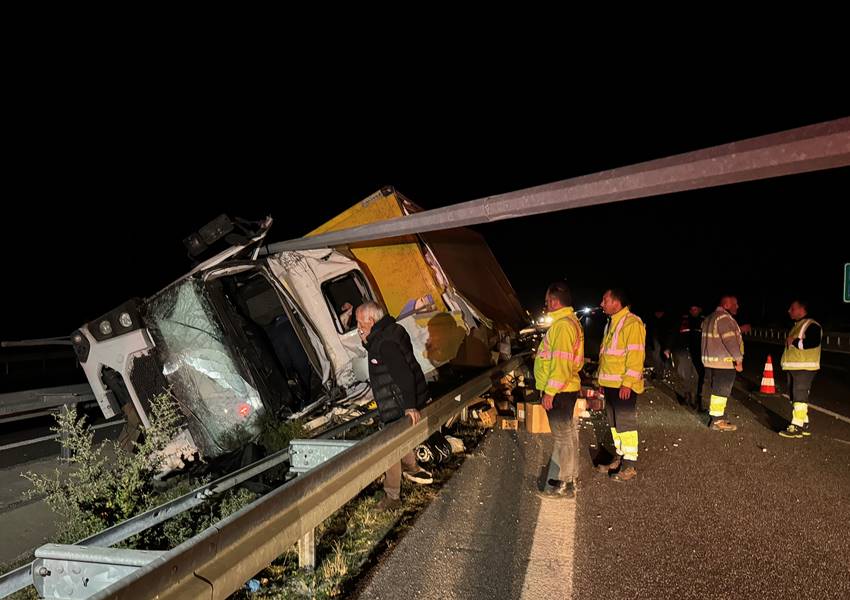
[{"x": 811, "y": 148}]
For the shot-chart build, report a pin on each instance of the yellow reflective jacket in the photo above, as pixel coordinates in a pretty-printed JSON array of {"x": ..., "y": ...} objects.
[
  {"x": 799, "y": 358},
  {"x": 622, "y": 353},
  {"x": 561, "y": 354}
]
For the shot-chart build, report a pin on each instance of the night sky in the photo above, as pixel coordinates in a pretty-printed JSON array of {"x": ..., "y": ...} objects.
[{"x": 125, "y": 188}]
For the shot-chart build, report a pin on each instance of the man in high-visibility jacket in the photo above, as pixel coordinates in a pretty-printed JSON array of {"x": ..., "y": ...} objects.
[
  {"x": 722, "y": 356},
  {"x": 620, "y": 373},
  {"x": 801, "y": 362},
  {"x": 559, "y": 359}
]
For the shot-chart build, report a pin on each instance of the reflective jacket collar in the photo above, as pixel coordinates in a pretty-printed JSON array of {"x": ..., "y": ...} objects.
[
  {"x": 618, "y": 316},
  {"x": 562, "y": 312}
]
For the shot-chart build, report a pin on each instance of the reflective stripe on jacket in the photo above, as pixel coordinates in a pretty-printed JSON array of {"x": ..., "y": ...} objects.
[{"x": 722, "y": 344}]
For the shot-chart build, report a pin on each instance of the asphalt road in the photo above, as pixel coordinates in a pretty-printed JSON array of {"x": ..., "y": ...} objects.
[{"x": 711, "y": 515}]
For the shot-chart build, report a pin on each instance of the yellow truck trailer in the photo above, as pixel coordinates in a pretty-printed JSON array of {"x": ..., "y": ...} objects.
[{"x": 433, "y": 274}]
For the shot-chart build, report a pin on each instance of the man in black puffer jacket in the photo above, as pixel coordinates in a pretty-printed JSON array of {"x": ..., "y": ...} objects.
[{"x": 398, "y": 385}]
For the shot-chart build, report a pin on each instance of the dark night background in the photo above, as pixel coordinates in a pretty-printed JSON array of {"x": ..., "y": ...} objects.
[{"x": 102, "y": 190}]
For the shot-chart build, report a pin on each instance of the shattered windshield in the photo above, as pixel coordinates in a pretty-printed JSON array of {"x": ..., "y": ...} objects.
[{"x": 214, "y": 391}]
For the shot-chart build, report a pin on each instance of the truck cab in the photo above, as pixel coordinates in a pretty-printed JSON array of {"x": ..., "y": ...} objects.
[{"x": 231, "y": 341}]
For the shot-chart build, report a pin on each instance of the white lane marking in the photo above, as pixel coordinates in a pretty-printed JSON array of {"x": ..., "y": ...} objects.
[{"x": 550, "y": 563}]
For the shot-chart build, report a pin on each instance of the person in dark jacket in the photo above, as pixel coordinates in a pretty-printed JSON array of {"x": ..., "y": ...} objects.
[
  {"x": 692, "y": 326},
  {"x": 398, "y": 385},
  {"x": 688, "y": 354},
  {"x": 801, "y": 362},
  {"x": 659, "y": 341}
]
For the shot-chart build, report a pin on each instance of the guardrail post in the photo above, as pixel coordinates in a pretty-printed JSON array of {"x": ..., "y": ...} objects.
[{"x": 307, "y": 551}]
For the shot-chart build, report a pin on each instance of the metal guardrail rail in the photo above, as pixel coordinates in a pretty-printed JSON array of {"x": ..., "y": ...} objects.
[
  {"x": 821, "y": 146},
  {"x": 29, "y": 362},
  {"x": 831, "y": 341},
  {"x": 344, "y": 480},
  {"x": 63, "y": 451},
  {"x": 218, "y": 561},
  {"x": 22, "y": 576},
  {"x": 42, "y": 399}
]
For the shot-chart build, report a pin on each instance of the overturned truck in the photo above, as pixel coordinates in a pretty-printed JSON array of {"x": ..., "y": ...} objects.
[{"x": 244, "y": 335}]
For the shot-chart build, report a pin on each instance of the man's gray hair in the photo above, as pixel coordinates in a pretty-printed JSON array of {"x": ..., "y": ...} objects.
[{"x": 371, "y": 310}]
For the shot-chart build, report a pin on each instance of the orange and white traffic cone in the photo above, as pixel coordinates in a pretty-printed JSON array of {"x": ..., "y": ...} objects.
[{"x": 768, "y": 386}]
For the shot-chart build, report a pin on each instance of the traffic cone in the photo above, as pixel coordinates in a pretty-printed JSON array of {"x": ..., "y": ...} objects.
[{"x": 767, "y": 384}]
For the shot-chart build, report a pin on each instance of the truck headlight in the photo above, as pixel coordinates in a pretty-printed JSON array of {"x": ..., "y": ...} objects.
[
  {"x": 122, "y": 320},
  {"x": 105, "y": 327}
]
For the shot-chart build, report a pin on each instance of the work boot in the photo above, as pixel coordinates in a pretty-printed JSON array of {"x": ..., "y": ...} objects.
[
  {"x": 556, "y": 488},
  {"x": 625, "y": 474},
  {"x": 792, "y": 431},
  {"x": 564, "y": 489},
  {"x": 722, "y": 425},
  {"x": 612, "y": 466},
  {"x": 386, "y": 504},
  {"x": 806, "y": 432}
]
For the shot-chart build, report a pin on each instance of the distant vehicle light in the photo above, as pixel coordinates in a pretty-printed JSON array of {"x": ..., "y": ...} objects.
[{"x": 125, "y": 320}]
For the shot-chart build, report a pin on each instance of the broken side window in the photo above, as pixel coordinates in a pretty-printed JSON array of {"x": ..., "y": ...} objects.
[{"x": 343, "y": 294}]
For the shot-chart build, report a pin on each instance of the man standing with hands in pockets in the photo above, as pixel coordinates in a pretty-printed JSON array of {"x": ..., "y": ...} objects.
[{"x": 556, "y": 374}]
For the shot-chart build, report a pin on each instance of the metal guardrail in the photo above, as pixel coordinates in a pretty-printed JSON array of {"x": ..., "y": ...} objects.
[
  {"x": 433, "y": 418},
  {"x": 43, "y": 361},
  {"x": 64, "y": 452},
  {"x": 218, "y": 561},
  {"x": 820, "y": 146},
  {"x": 42, "y": 399},
  {"x": 38, "y": 343},
  {"x": 831, "y": 341},
  {"x": 22, "y": 576}
]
